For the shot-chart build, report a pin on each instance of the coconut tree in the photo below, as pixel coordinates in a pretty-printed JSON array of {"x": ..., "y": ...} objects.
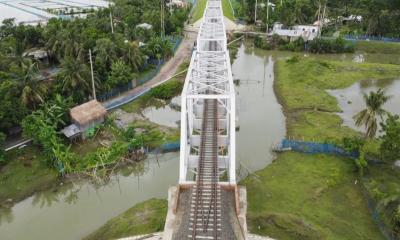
[
  {"x": 133, "y": 56},
  {"x": 368, "y": 117},
  {"x": 74, "y": 77},
  {"x": 31, "y": 89},
  {"x": 106, "y": 51}
]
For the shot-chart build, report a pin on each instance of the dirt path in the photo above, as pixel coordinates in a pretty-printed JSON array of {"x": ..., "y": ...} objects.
[{"x": 166, "y": 72}]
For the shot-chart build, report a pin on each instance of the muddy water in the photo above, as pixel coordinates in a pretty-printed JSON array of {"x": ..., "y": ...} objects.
[
  {"x": 262, "y": 123},
  {"x": 164, "y": 115},
  {"x": 351, "y": 99},
  {"x": 74, "y": 212}
]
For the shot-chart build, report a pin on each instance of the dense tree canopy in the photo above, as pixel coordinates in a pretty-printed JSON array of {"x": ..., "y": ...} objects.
[
  {"x": 67, "y": 42},
  {"x": 379, "y": 17}
]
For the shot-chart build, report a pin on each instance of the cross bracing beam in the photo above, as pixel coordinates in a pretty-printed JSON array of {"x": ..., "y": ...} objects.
[{"x": 209, "y": 77}]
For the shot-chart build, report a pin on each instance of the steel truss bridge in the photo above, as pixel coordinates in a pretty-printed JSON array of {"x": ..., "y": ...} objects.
[{"x": 207, "y": 156}]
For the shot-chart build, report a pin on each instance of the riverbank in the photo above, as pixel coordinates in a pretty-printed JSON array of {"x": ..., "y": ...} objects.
[
  {"x": 143, "y": 218},
  {"x": 311, "y": 196},
  {"x": 28, "y": 172}
]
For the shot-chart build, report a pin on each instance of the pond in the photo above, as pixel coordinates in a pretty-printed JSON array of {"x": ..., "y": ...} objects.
[
  {"x": 351, "y": 99},
  {"x": 164, "y": 115}
]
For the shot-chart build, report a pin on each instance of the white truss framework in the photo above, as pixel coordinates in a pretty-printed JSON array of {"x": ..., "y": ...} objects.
[{"x": 209, "y": 77}]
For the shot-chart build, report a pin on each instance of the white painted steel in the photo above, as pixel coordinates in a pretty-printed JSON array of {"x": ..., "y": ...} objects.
[{"x": 209, "y": 77}]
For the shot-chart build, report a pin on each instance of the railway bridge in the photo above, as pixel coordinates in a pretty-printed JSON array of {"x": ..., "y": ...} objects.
[{"x": 207, "y": 204}]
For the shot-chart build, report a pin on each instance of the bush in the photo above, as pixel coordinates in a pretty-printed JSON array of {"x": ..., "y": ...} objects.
[
  {"x": 338, "y": 45},
  {"x": 293, "y": 59},
  {"x": 167, "y": 90},
  {"x": 2, "y": 138},
  {"x": 262, "y": 43}
]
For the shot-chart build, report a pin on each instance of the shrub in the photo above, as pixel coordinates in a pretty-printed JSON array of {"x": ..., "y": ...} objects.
[
  {"x": 293, "y": 59},
  {"x": 167, "y": 90},
  {"x": 338, "y": 45},
  {"x": 2, "y": 138},
  {"x": 262, "y": 43}
]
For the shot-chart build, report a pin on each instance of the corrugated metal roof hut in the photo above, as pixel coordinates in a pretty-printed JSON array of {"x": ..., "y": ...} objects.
[{"x": 88, "y": 115}]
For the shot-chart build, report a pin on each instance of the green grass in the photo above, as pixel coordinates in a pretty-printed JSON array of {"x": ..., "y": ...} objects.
[
  {"x": 303, "y": 84},
  {"x": 227, "y": 9},
  {"x": 378, "y": 47},
  {"x": 201, "y": 6},
  {"x": 301, "y": 88},
  {"x": 303, "y": 196},
  {"x": 24, "y": 175},
  {"x": 143, "y": 218}
]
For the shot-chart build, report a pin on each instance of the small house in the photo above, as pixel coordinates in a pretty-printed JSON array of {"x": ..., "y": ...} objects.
[
  {"x": 307, "y": 32},
  {"x": 37, "y": 54},
  {"x": 144, "y": 26},
  {"x": 84, "y": 117},
  {"x": 177, "y": 3}
]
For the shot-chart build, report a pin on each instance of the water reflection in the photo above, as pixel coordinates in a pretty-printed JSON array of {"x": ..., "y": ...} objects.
[
  {"x": 351, "y": 99},
  {"x": 166, "y": 114},
  {"x": 75, "y": 210},
  {"x": 262, "y": 123},
  {"x": 44, "y": 199},
  {"x": 6, "y": 215}
]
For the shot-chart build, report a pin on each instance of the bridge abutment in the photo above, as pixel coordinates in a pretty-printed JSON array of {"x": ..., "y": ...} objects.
[{"x": 233, "y": 211}]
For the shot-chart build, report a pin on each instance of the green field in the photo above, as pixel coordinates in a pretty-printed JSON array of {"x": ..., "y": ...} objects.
[
  {"x": 303, "y": 196},
  {"x": 378, "y": 47},
  {"x": 301, "y": 87},
  {"x": 201, "y": 5},
  {"x": 143, "y": 218}
]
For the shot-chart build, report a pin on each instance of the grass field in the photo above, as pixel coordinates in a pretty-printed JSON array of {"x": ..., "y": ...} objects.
[
  {"x": 24, "y": 175},
  {"x": 378, "y": 47},
  {"x": 301, "y": 88},
  {"x": 201, "y": 5},
  {"x": 303, "y": 196},
  {"x": 143, "y": 218}
]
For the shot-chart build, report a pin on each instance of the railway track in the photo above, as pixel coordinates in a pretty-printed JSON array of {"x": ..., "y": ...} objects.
[{"x": 205, "y": 212}]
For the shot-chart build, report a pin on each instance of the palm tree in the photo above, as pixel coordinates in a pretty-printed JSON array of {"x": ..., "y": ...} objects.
[
  {"x": 30, "y": 87},
  {"x": 368, "y": 116},
  {"x": 75, "y": 77},
  {"x": 105, "y": 51},
  {"x": 133, "y": 56}
]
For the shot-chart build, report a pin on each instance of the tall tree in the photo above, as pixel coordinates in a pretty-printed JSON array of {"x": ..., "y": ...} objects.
[
  {"x": 133, "y": 56},
  {"x": 390, "y": 146},
  {"x": 75, "y": 79},
  {"x": 30, "y": 87},
  {"x": 368, "y": 117}
]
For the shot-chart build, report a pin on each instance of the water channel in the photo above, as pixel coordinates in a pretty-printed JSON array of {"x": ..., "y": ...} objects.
[{"x": 73, "y": 212}]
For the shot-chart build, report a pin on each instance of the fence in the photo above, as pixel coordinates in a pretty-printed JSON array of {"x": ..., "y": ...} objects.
[
  {"x": 143, "y": 79},
  {"x": 371, "y": 38},
  {"x": 376, "y": 216},
  {"x": 312, "y": 148}
]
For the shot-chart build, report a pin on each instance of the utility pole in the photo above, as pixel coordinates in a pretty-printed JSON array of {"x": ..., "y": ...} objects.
[
  {"x": 162, "y": 19},
  {"x": 267, "y": 16},
  {"x": 112, "y": 24},
  {"x": 91, "y": 70},
  {"x": 255, "y": 13}
]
